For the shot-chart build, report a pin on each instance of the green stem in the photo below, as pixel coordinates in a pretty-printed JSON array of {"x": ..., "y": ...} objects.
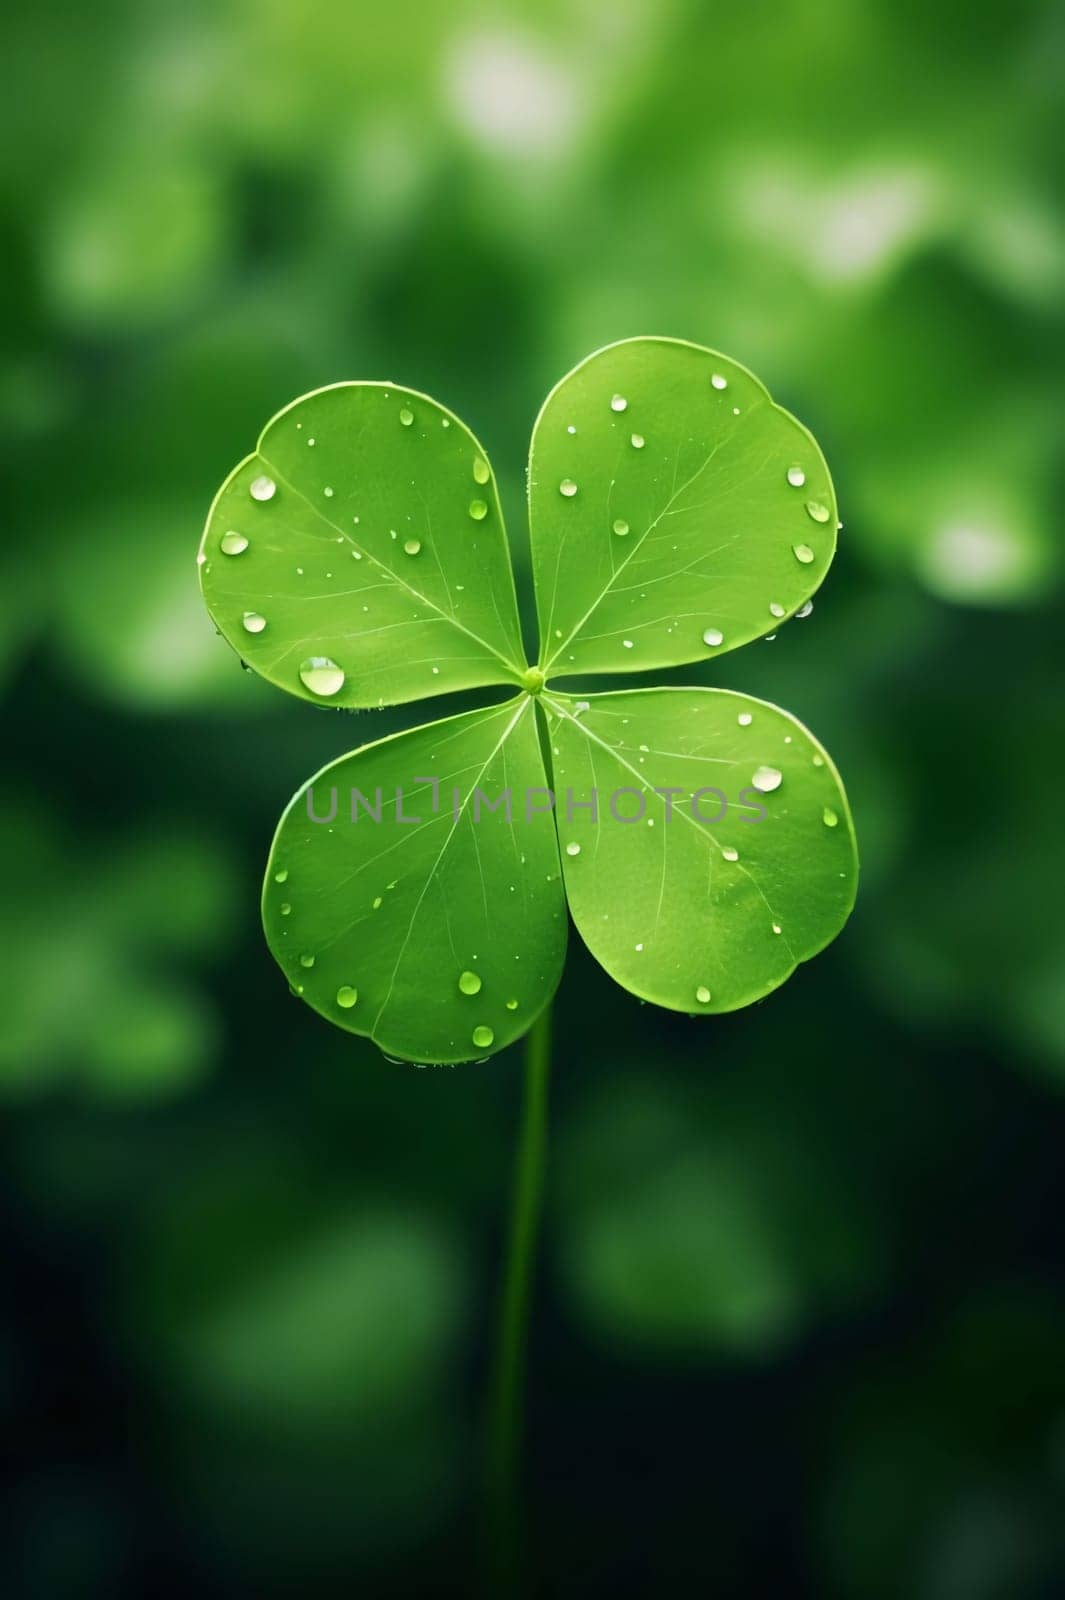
[{"x": 507, "y": 1415}]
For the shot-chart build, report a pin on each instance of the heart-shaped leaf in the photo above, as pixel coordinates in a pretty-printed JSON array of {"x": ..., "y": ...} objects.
[
  {"x": 720, "y": 852},
  {"x": 675, "y": 511},
  {"x": 358, "y": 557},
  {"x": 431, "y": 921}
]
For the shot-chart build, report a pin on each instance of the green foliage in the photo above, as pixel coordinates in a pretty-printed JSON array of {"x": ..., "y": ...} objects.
[
  {"x": 692, "y": 1225},
  {"x": 374, "y": 539},
  {"x": 358, "y": 558},
  {"x": 430, "y": 931},
  {"x": 708, "y": 905},
  {"x": 684, "y": 525},
  {"x": 98, "y": 994}
]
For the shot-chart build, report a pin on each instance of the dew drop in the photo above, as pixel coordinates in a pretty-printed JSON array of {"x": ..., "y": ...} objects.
[
  {"x": 253, "y": 622},
  {"x": 775, "y": 610},
  {"x": 744, "y": 719},
  {"x": 285, "y": 908},
  {"x": 321, "y": 675},
  {"x": 470, "y": 982},
  {"x": 347, "y": 996},
  {"x": 796, "y": 477},
  {"x": 481, "y": 470},
  {"x": 282, "y": 876},
  {"x": 621, "y": 527},
  {"x": 730, "y": 852},
  {"x": 766, "y": 779},
  {"x": 817, "y": 512},
  {"x": 804, "y": 610},
  {"x": 829, "y": 817},
  {"x": 573, "y": 848},
  {"x": 568, "y": 488},
  {"x": 306, "y": 961},
  {"x": 483, "y": 1037},
  {"x": 478, "y": 510},
  {"x": 638, "y": 441},
  {"x": 262, "y": 488},
  {"x": 803, "y": 553},
  {"x": 819, "y": 761},
  {"x": 619, "y": 403},
  {"x": 233, "y": 543},
  {"x": 626, "y": 644},
  {"x": 412, "y": 546},
  {"x": 702, "y": 994},
  {"x": 406, "y": 416},
  {"x": 776, "y": 927},
  {"x": 327, "y": 491},
  {"x": 713, "y": 636},
  {"x": 512, "y": 1005},
  {"x": 718, "y": 381}
]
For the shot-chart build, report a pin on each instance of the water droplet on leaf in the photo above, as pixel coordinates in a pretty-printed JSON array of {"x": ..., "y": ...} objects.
[
  {"x": 803, "y": 553},
  {"x": 321, "y": 675},
  {"x": 568, "y": 488},
  {"x": 262, "y": 488},
  {"x": 470, "y": 982},
  {"x": 253, "y": 622},
  {"x": 233, "y": 543},
  {"x": 766, "y": 779},
  {"x": 347, "y": 996}
]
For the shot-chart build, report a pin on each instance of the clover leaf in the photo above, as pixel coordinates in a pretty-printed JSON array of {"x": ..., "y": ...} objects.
[{"x": 416, "y": 889}]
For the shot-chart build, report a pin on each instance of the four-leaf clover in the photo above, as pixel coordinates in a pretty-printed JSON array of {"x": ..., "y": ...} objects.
[{"x": 416, "y": 890}]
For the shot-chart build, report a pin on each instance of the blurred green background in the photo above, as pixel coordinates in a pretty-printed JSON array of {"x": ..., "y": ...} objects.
[{"x": 801, "y": 1310}]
